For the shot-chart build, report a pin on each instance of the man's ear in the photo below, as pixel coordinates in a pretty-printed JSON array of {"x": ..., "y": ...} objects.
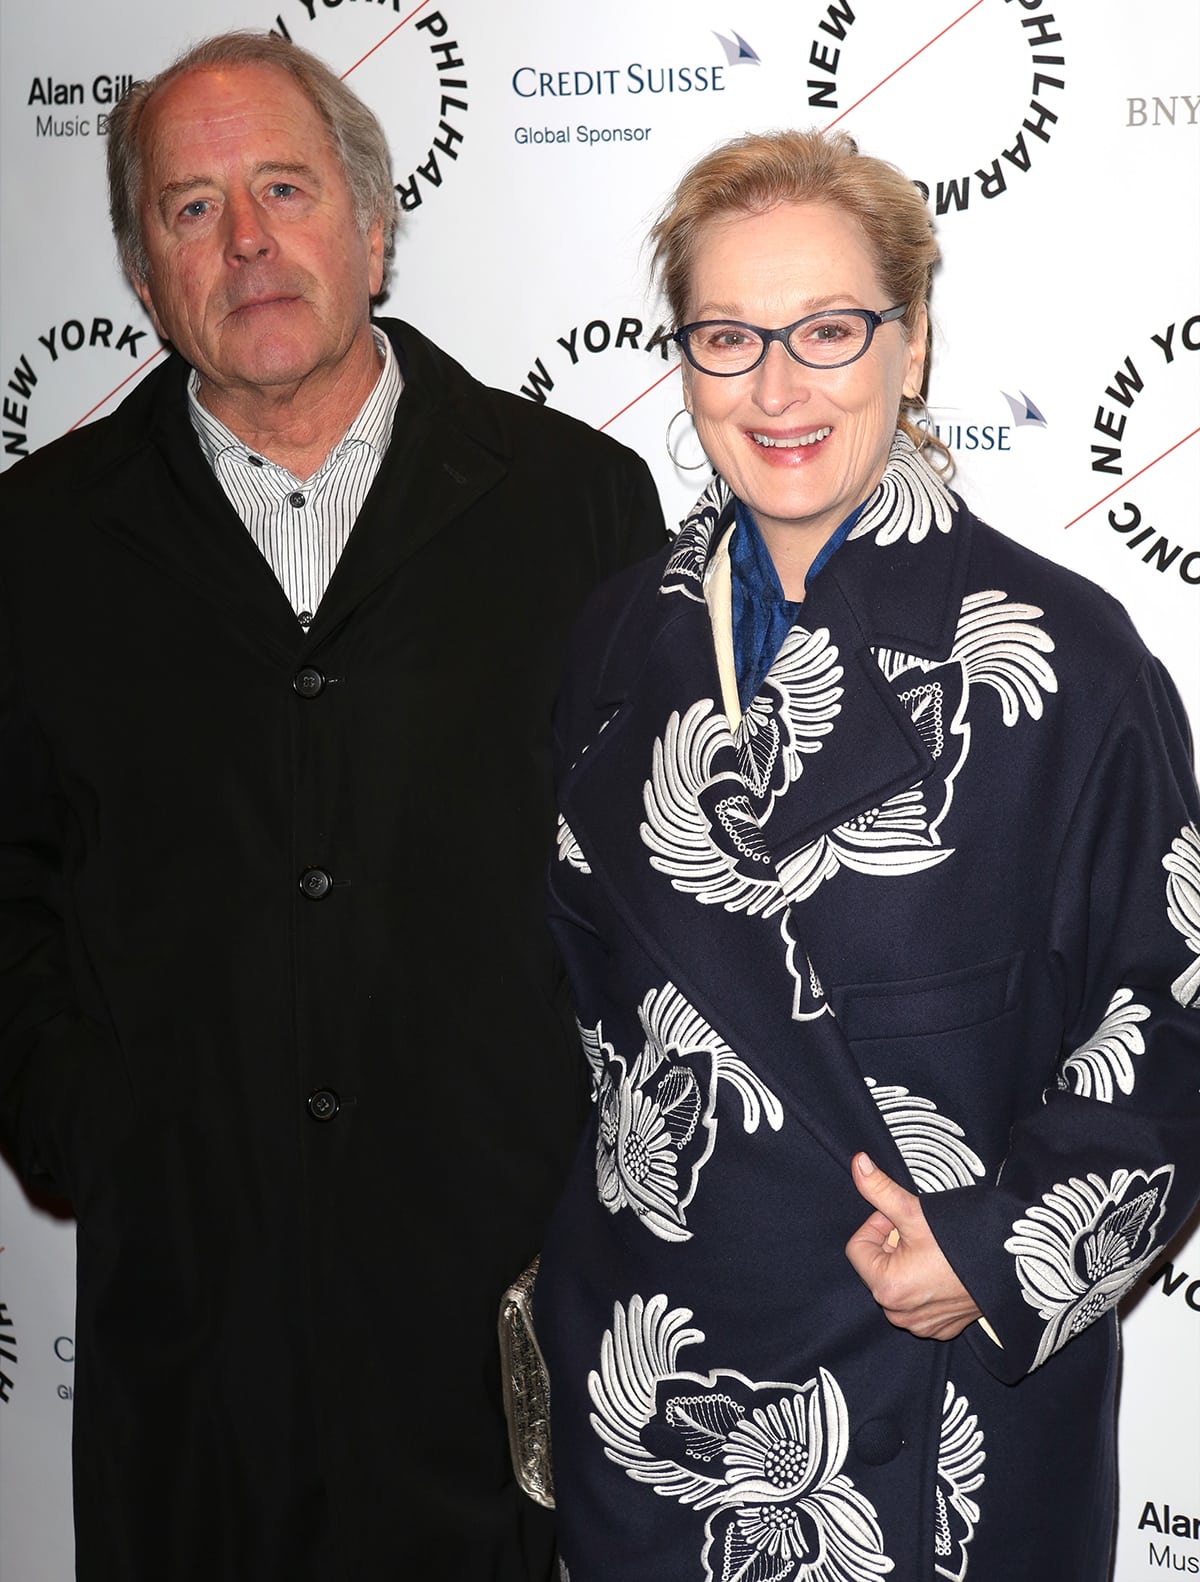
[{"x": 375, "y": 257}]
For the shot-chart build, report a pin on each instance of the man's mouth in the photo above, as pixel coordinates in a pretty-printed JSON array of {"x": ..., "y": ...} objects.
[{"x": 271, "y": 299}]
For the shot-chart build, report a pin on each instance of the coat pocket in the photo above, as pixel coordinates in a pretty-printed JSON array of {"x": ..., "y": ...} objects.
[{"x": 917, "y": 1007}]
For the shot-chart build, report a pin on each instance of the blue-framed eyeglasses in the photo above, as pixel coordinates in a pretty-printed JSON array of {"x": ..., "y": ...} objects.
[{"x": 725, "y": 347}]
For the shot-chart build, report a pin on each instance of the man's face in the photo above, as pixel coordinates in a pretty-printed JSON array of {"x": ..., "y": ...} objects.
[{"x": 258, "y": 274}]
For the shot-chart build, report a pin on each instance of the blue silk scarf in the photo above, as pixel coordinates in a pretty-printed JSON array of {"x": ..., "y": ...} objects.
[{"x": 762, "y": 616}]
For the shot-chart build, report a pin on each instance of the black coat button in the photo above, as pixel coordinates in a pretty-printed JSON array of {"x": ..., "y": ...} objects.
[
  {"x": 323, "y": 1104},
  {"x": 315, "y": 883},
  {"x": 308, "y": 683}
]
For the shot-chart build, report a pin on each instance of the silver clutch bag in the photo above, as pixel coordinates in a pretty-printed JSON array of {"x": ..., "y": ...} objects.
[{"x": 526, "y": 1387}]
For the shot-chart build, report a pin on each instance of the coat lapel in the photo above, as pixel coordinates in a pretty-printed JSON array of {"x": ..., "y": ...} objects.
[
  {"x": 181, "y": 522},
  {"x": 870, "y": 752},
  {"x": 447, "y": 451}
]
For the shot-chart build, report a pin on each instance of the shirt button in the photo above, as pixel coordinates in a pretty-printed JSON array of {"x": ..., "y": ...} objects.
[
  {"x": 323, "y": 1104},
  {"x": 296, "y": 499},
  {"x": 315, "y": 883},
  {"x": 308, "y": 683}
]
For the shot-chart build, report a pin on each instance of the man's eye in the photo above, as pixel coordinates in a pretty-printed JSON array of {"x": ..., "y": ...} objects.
[
  {"x": 281, "y": 189},
  {"x": 195, "y": 210}
]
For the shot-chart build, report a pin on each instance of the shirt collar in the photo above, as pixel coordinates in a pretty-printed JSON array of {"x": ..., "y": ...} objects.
[{"x": 371, "y": 426}]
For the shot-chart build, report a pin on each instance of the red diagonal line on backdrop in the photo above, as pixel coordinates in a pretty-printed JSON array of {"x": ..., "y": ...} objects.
[
  {"x": 1125, "y": 482},
  {"x": 841, "y": 117},
  {"x": 116, "y": 390},
  {"x": 145, "y": 363},
  {"x": 903, "y": 64},
  {"x": 384, "y": 39},
  {"x": 637, "y": 398}
]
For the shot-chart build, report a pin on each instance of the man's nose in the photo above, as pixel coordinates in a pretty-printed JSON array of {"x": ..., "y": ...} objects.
[{"x": 247, "y": 235}]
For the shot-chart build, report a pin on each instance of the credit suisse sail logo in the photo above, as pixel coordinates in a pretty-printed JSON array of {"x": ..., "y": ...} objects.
[{"x": 985, "y": 432}]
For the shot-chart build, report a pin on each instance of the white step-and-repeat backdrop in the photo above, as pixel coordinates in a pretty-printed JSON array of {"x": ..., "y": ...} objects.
[{"x": 533, "y": 142}]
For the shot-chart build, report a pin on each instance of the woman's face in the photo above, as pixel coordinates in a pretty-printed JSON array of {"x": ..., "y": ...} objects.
[{"x": 801, "y": 446}]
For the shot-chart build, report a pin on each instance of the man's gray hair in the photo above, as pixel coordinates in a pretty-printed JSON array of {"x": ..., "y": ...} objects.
[{"x": 355, "y": 135}]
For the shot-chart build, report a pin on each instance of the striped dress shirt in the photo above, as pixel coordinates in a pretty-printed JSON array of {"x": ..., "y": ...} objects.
[{"x": 301, "y": 525}]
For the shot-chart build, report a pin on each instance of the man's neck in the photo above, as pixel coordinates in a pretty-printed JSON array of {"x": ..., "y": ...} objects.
[{"x": 296, "y": 426}]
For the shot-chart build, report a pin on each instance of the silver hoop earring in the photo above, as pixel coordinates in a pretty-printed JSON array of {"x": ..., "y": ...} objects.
[
  {"x": 683, "y": 466},
  {"x": 914, "y": 408}
]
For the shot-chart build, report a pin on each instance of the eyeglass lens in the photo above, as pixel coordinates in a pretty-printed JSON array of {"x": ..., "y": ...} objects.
[{"x": 825, "y": 339}]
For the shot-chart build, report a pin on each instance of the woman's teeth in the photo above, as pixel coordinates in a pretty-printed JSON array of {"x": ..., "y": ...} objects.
[{"x": 791, "y": 444}]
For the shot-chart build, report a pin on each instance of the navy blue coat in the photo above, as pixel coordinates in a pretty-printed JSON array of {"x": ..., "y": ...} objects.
[{"x": 937, "y": 898}]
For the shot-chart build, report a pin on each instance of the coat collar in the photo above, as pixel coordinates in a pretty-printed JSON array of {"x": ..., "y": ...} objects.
[
  {"x": 896, "y": 585},
  {"x": 145, "y": 481}
]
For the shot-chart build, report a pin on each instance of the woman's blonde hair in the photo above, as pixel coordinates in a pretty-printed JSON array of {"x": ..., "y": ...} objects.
[{"x": 754, "y": 173}]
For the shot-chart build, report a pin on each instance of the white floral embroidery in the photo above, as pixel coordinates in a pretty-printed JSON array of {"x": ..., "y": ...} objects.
[
  {"x": 684, "y": 572},
  {"x": 794, "y": 710},
  {"x": 597, "y": 1052},
  {"x": 911, "y": 498},
  {"x": 569, "y": 850},
  {"x": 996, "y": 645},
  {"x": 899, "y": 837},
  {"x": 808, "y": 997},
  {"x": 1080, "y": 1249},
  {"x": 960, "y": 1457},
  {"x": 764, "y": 1458},
  {"x": 931, "y": 1144},
  {"x": 1182, "y": 863},
  {"x": 657, "y": 1122},
  {"x": 699, "y": 826},
  {"x": 1105, "y": 1063},
  {"x": 999, "y": 645}
]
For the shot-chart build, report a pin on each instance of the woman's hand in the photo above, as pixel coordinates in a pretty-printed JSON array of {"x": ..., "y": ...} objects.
[{"x": 896, "y": 1257}]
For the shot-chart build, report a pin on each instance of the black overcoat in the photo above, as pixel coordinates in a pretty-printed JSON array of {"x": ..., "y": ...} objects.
[
  {"x": 309, "y": 1135},
  {"x": 937, "y": 897}
]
